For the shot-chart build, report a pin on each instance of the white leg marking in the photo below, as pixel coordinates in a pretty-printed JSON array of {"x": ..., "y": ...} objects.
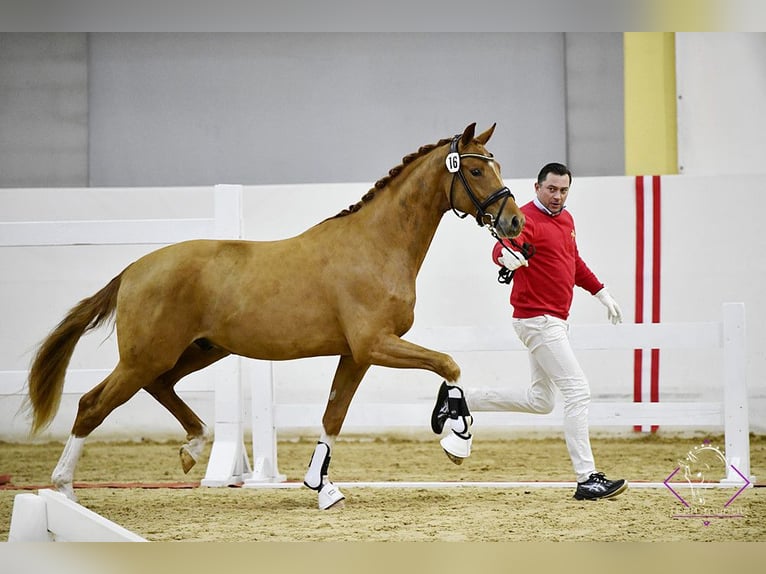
[
  {"x": 191, "y": 451},
  {"x": 63, "y": 474}
]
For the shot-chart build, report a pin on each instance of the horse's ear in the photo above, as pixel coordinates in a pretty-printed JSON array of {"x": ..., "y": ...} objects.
[
  {"x": 483, "y": 138},
  {"x": 468, "y": 134}
]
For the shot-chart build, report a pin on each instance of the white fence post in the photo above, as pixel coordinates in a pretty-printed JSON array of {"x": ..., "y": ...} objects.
[
  {"x": 260, "y": 376},
  {"x": 735, "y": 404},
  {"x": 227, "y": 210},
  {"x": 228, "y": 463}
]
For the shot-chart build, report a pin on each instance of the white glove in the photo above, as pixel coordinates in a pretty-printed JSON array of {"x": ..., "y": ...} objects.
[
  {"x": 612, "y": 308},
  {"x": 512, "y": 260}
]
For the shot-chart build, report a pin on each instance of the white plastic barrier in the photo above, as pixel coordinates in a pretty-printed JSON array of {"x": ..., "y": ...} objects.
[
  {"x": 731, "y": 412},
  {"x": 49, "y": 516}
]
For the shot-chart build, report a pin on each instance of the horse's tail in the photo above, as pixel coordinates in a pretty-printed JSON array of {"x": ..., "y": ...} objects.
[{"x": 46, "y": 375}]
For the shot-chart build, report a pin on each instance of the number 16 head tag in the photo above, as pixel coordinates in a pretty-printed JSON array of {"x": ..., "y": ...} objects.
[{"x": 453, "y": 162}]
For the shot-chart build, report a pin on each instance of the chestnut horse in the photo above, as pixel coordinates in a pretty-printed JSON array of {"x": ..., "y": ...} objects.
[{"x": 185, "y": 306}]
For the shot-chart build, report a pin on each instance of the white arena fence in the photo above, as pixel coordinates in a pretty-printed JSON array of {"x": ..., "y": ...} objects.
[
  {"x": 223, "y": 221},
  {"x": 229, "y": 462},
  {"x": 49, "y": 516}
]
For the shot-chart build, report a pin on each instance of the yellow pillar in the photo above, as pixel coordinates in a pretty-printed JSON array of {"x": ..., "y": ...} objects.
[{"x": 651, "y": 145}]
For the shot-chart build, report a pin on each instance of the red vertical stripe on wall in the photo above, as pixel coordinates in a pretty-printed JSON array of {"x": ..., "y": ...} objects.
[
  {"x": 656, "y": 249},
  {"x": 655, "y": 369}
]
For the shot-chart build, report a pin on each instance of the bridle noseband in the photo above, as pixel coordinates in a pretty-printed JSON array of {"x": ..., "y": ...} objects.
[{"x": 455, "y": 167}]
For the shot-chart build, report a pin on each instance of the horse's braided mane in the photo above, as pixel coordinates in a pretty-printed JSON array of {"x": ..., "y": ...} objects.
[{"x": 392, "y": 173}]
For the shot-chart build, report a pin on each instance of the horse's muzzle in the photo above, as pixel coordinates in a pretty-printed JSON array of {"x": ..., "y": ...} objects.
[{"x": 510, "y": 227}]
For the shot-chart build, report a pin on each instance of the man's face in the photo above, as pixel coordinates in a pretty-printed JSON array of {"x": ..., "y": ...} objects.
[{"x": 553, "y": 192}]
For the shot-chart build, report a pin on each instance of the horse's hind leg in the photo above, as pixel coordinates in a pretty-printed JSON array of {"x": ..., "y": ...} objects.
[
  {"x": 194, "y": 358},
  {"x": 348, "y": 375},
  {"x": 119, "y": 386}
]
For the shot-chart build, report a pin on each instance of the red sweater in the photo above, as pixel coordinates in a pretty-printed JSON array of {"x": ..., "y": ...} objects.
[{"x": 546, "y": 286}]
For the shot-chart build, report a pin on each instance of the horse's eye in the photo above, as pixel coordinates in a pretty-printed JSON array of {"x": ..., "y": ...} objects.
[{"x": 476, "y": 171}]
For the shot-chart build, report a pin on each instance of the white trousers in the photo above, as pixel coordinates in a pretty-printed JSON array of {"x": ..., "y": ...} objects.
[{"x": 553, "y": 365}]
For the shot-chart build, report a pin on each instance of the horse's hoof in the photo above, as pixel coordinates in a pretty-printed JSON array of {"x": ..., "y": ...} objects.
[
  {"x": 187, "y": 460},
  {"x": 456, "y": 447},
  {"x": 330, "y": 497},
  {"x": 456, "y": 459},
  {"x": 339, "y": 505}
]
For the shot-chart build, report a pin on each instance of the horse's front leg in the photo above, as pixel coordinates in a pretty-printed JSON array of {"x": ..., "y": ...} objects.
[
  {"x": 348, "y": 375},
  {"x": 393, "y": 351}
]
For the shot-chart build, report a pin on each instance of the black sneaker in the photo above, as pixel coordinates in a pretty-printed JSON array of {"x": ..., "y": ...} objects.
[
  {"x": 599, "y": 486},
  {"x": 440, "y": 413}
]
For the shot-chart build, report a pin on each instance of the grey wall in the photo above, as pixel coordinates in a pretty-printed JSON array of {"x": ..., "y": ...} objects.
[
  {"x": 263, "y": 108},
  {"x": 43, "y": 110},
  {"x": 595, "y": 103}
]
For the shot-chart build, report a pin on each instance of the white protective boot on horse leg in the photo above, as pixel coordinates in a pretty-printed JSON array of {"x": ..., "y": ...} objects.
[
  {"x": 329, "y": 496},
  {"x": 191, "y": 451},
  {"x": 63, "y": 475},
  {"x": 451, "y": 406}
]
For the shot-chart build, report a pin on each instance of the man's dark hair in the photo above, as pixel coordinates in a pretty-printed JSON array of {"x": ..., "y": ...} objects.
[{"x": 555, "y": 168}]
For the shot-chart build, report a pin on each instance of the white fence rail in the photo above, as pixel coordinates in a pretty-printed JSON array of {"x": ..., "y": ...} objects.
[{"x": 224, "y": 223}]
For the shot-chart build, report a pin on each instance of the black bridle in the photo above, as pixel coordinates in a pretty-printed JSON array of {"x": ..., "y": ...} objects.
[
  {"x": 455, "y": 167},
  {"x": 484, "y": 219}
]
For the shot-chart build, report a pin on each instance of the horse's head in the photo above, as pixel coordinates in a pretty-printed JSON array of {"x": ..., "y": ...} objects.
[{"x": 477, "y": 188}]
